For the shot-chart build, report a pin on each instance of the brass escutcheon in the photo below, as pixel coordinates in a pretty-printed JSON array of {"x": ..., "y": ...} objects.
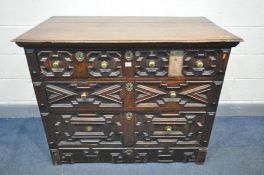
[
  {"x": 128, "y": 152},
  {"x": 129, "y": 86},
  {"x": 56, "y": 64},
  {"x": 129, "y": 55},
  {"x": 168, "y": 129},
  {"x": 104, "y": 64},
  {"x": 79, "y": 56},
  {"x": 199, "y": 64},
  {"x": 129, "y": 115},
  {"x": 152, "y": 63},
  {"x": 172, "y": 94}
]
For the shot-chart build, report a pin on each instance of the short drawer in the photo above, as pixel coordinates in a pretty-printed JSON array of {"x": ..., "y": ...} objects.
[
  {"x": 177, "y": 94},
  {"x": 174, "y": 129},
  {"x": 86, "y": 95},
  {"x": 183, "y": 62},
  {"x": 88, "y": 129},
  {"x": 75, "y": 63}
]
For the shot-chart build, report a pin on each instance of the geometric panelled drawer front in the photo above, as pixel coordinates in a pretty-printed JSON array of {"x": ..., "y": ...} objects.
[
  {"x": 97, "y": 129},
  {"x": 145, "y": 63},
  {"x": 169, "y": 94},
  {"x": 80, "y": 63},
  {"x": 105, "y": 129},
  {"x": 177, "y": 94},
  {"x": 184, "y": 128},
  {"x": 84, "y": 94},
  {"x": 184, "y": 62},
  {"x": 127, "y": 89}
]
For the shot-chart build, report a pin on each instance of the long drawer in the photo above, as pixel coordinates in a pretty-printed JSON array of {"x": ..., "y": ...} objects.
[
  {"x": 121, "y": 63},
  {"x": 138, "y": 129},
  {"x": 124, "y": 155},
  {"x": 140, "y": 95}
]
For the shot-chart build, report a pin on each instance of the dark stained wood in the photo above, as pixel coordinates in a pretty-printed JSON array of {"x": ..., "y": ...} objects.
[{"x": 81, "y": 79}]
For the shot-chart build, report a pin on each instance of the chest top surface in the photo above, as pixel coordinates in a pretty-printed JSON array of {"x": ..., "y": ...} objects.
[{"x": 83, "y": 29}]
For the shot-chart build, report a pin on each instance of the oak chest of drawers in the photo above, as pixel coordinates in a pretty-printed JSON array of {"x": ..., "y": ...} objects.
[{"x": 127, "y": 89}]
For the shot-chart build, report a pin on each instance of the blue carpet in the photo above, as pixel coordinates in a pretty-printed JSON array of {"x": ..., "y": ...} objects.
[{"x": 236, "y": 148}]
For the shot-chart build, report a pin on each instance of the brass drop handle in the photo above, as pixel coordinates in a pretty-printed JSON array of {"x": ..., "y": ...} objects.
[
  {"x": 172, "y": 94},
  {"x": 56, "y": 64},
  {"x": 104, "y": 64},
  {"x": 168, "y": 129},
  {"x": 199, "y": 64},
  {"x": 152, "y": 63},
  {"x": 84, "y": 95}
]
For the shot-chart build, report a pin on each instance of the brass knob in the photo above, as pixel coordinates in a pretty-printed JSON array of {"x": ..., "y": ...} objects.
[
  {"x": 200, "y": 124},
  {"x": 104, "y": 64},
  {"x": 129, "y": 115},
  {"x": 79, "y": 56},
  {"x": 172, "y": 94},
  {"x": 129, "y": 86},
  {"x": 168, "y": 129},
  {"x": 56, "y": 64},
  {"x": 88, "y": 128},
  {"x": 84, "y": 95},
  {"x": 152, "y": 63},
  {"x": 199, "y": 64}
]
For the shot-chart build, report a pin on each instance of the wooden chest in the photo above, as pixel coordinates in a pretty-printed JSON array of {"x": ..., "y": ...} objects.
[{"x": 127, "y": 89}]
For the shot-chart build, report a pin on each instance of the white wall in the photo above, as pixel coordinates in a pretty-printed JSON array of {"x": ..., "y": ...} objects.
[{"x": 245, "y": 74}]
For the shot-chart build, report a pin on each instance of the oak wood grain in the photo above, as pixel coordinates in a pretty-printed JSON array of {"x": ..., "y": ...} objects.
[{"x": 126, "y": 30}]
